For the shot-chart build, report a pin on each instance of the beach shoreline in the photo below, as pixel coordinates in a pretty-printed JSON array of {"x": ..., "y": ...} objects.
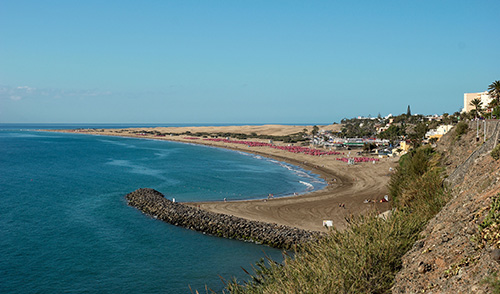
[{"x": 349, "y": 186}]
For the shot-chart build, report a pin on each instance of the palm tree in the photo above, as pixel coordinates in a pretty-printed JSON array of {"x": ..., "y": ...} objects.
[
  {"x": 494, "y": 91},
  {"x": 477, "y": 103}
]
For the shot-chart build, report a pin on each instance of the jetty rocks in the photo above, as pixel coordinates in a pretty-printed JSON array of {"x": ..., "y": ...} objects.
[{"x": 154, "y": 204}]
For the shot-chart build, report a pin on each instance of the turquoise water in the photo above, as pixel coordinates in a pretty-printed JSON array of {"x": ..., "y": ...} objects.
[{"x": 65, "y": 226}]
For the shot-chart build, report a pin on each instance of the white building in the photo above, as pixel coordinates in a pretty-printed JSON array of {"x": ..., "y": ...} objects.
[
  {"x": 468, "y": 97},
  {"x": 439, "y": 132}
]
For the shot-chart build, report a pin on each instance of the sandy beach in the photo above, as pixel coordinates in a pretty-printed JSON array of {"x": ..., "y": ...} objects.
[{"x": 349, "y": 185}]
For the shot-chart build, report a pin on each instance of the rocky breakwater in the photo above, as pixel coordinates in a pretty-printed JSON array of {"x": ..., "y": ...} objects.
[{"x": 153, "y": 203}]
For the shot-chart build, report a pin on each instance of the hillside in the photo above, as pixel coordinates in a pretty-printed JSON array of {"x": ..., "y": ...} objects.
[{"x": 453, "y": 255}]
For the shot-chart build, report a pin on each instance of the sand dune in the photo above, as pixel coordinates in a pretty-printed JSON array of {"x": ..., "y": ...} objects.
[{"x": 274, "y": 130}]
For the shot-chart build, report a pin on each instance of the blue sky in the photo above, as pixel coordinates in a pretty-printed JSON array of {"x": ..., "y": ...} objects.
[{"x": 241, "y": 61}]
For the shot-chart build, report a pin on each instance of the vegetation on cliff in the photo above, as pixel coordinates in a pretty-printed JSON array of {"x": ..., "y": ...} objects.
[
  {"x": 495, "y": 153},
  {"x": 460, "y": 129},
  {"x": 365, "y": 257},
  {"x": 489, "y": 229},
  {"x": 412, "y": 127}
]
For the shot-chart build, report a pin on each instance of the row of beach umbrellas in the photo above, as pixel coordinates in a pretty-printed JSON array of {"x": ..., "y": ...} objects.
[
  {"x": 293, "y": 149},
  {"x": 358, "y": 159}
]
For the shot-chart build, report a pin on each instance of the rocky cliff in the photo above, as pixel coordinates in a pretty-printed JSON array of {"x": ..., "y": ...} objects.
[{"x": 453, "y": 255}]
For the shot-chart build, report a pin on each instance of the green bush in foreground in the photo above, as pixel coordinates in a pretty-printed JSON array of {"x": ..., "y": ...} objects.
[
  {"x": 417, "y": 182},
  {"x": 362, "y": 259},
  {"x": 366, "y": 256}
]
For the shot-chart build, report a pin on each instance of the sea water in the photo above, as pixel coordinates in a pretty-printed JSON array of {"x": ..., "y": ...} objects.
[{"x": 65, "y": 226}]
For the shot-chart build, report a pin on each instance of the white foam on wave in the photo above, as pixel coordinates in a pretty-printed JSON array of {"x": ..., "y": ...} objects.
[
  {"x": 251, "y": 155},
  {"x": 299, "y": 172},
  {"x": 308, "y": 185},
  {"x": 311, "y": 178}
]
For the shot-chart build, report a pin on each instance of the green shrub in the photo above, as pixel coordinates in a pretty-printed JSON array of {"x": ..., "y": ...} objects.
[
  {"x": 489, "y": 228},
  {"x": 495, "y": 153},
  {"x": 460, "y": 129},
  {"x": 405, "y": 183},
  {"x": 362, "y": 259},
  {"x": 488, "y": 234}
]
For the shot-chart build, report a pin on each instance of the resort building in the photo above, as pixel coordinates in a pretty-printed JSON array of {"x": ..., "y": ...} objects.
[
  {"x": 403, "y": 148},
  {"x": 439, "y": 132},
  {"x": 468, "y": 97},
  {"x": 434, "y": 117}
]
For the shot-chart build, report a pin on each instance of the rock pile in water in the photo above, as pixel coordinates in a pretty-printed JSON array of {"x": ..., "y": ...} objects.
[{"x": 153, "y": 203}]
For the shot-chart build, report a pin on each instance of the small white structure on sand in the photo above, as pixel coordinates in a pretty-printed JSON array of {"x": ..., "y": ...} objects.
[{"x": 327, "y": 223}]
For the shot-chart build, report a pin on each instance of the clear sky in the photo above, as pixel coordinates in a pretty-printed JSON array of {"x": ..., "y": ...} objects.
[{"x": 241, "y": 61}]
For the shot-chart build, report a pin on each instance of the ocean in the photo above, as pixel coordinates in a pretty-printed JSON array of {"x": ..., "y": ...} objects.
[{"x": 65, "y": 226}]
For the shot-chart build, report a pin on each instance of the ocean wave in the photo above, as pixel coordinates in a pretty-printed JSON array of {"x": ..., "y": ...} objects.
[
  {"x": 253, "y": 155},
  {"x": 309, "y": 177},
  {"x": 308, "y": 185}
]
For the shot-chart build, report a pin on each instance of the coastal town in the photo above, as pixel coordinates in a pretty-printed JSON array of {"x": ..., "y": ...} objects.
[{"x": 380, "y": 136}]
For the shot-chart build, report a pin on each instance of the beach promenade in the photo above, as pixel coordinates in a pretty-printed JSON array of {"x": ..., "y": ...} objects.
[{"x": 348, "y": 185}]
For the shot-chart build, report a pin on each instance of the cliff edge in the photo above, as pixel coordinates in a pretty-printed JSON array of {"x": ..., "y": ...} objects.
[{"x": 453, "y": 256}]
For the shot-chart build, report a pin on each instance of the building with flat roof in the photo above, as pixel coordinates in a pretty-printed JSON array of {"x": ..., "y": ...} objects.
[
  {"x": 468, "y": 97},
  {"x": 439, "y": 132}
]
